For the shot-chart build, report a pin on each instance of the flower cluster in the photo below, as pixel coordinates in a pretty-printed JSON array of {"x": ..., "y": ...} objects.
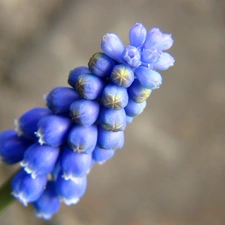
[{"x": 84, "y": 124}]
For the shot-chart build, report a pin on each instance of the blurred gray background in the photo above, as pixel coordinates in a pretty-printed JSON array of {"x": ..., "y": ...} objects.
[{"x": 171, "y": 170}]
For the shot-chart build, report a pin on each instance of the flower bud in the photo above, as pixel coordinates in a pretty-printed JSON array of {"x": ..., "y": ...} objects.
[
  {"x": 150, "y": 56},
  {"x": 122, "y": 75},
  {"x": 89, "y": 86},
  {"x": 101, "y": 65},
  {"x": 26, "y": 189},
  {"x": 164, "y": 62},
  {"x": 40, "y": 159},
  {"x": 83, "y": 139},
  {"x": 74, "y": 165},
  {"x": 75, "y": 73},
  {"x": 137, "y": 35},
  {"x": 48, "y": 204},
  {"x": 155, "y": 38},
  {"x": 113, "y": 47},
  {"x": 132, "y": 56},
  {"x": 110, "y": 140},
  {"x": 114, "y": 97},
  {"x": 27, "y": 123},
  {"x": 102, "y": 155},
  {"x": 113, "y": 120},
  {"x": 12, "y": 147},
  {"x": 137, "y": 92},
  {"x": 84, "y": 112},
  {"x": 69, "y": 191},
  {"x": 133, "y": 108},
  {"x": 60, "y": 99},
  {"x": 148, "y": 78},
  {"x": 53, "y": 130}
]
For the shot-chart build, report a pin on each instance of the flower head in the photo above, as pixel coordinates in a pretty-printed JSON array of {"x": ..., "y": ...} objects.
[{"x": 84, "y": 124}]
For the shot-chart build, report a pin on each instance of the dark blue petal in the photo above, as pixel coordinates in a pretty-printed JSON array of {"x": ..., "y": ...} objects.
[
  {"x": 84, "y": 112},
  {"x": 40, "y": 159},
  {"x": 83, "y": 139},
  {"x": 48, "y": 204},
  {"x": 53, "y": 130},
  {"x": 26, "y": 189},
  {"x": 137, "y": 35},
  {"x": 101, "y": 65},
  {"x": 113, "y": 47}
]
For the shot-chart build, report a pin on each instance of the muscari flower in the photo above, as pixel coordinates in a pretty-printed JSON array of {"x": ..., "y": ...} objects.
[{"x": 84, "y": 125}]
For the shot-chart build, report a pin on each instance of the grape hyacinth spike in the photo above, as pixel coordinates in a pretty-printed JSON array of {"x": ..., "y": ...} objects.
[{"x": 84, "y": 124}]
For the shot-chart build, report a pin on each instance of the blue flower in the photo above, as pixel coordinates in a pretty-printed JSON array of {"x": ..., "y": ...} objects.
[
  {"x": 84, "y": 124},
  {"x": 48, "y": 203},
  {"x": 26, "y": 189}
]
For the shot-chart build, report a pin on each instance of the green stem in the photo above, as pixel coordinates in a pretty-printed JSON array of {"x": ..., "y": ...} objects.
[{"x": 5, "y": 194}]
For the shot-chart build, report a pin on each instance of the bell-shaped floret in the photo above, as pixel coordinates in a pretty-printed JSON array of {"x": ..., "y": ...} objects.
[
  {"x": 155, "y": 38},
  {"x": 27, "y": 123},
  {"x": 150, "y": 56},
  {"x": 113, "y": 47},
  {"x": 137, "y": 92},
  {"x": 40, "y": 159},
  {"x": 164, "y": 62},
  {"x": 122, "y": 75},
  {"x": 12, "y": 147},
  {"x": 132, "y": 56},
  {"x": 109, "y": 139},
  {"x": 102, "y": 155},
  {"x": 53, "y": 130},
  {"x": 148, "y": 78},
  {"x": 112, "y": 120},
  {"x": 83, "y": 139},
  {"x": 133, "y": 108},
  {"x": 101, "y": 65},
  {"x": 69, "y": 191},
  {"x": 74, "y": 165},
  {"x": 84, "y": 112},
  {"x": 137, "y": 35},
  {"x": 75, "y": 73},
  {"x": 114, "y": 97},
  {"x": 48, "y": 204},
  {"x": 89, "y": 86},
  {"x": 60, "y": 99},
  {"x": 26, "y": 189}
]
